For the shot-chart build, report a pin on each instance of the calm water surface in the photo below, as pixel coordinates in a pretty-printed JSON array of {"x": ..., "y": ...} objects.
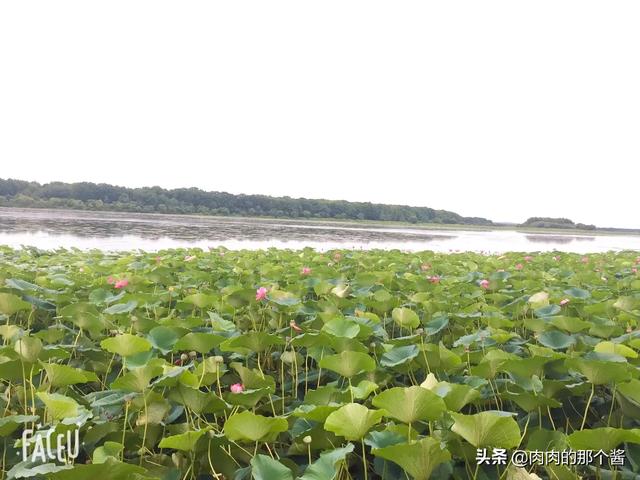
[{"x": 49, "y": 229}]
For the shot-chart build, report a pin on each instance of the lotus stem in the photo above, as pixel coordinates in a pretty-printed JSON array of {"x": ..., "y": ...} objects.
[{"x": 586, "y": 410}]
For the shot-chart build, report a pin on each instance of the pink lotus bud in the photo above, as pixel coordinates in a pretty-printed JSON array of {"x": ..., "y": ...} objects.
[
  {"x": 484, "y": 283},
  {"x": 306, "y": 271},
  {"x": 519, "y": 266},
  {"x": 261, "y": 294},
  {"x": 121, "y": 283},
  {"x": 237, "y": 388},
  {"x": 564, "y": 301},
  {"x": 434, "y": 279}
]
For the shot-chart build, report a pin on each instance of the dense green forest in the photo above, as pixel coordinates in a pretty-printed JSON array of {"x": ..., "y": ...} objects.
[
  {"x": 103, "y": 197},
  {"x": 548, "y": 222}
]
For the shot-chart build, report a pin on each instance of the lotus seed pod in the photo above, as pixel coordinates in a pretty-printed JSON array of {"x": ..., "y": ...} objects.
[
  {"x": 184, "y": 357},
  {"x": 193, "y": 354},
  {"x": 218, "y": 359},
  {"x": 307, "y": 439},
  {"x": 419, "y": 331}
]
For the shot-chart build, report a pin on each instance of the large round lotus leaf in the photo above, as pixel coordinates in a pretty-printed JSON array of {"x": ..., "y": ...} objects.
[
  {"x": 200, "y": 300},
  {"x": 120, "y": 308},
  {"x": 84, "y": 315},
  {"x": 410, "y": 404},
  {"x": 419, "y": 458},
  {"x": 138, "y": 379},
  {"x": 10, "y": 424},
  {"x": 556, "y": 340},
  {"x": 249, "y": 427},
  {"x": 63, "y": 375},
  {"x": 576, "y": 292},
  {"x": 455, "y": 395},
  {"x": 570, "y": 324},
  {"x": 341, "y": 327},
  {"x": 436, "y": 325},
  {"x": 348, "y": 363},
  {"x": 110, "y": 470},
  {"x": 487, "y": 429},
  {"x": 185, "y": 441},
  {"x": 59, "y": 406},
  {"x": 352, "y": 421},
  {"x": 252, "y": 341},
  {"x": 286, "y": 299},
  {"x": 108, "y": 450},
  {"x": 328, "y": 465},
  {"x": 125, "y": 344},
  {"x": 399, "y": 356},
  {"x": 605, "y": 438},
  {"x": 615, "y": 348},
  {"x": 10, "y": 304},
  {"x": 198, "y": 341},
  {"x": 405, "y": 317},
  {"x": 28, "y": 348},
  {"x": 600, "y": 372},
  {"x": 163, "y": 338},
  {"x": 197, "y": 400},
  {"x": 539, "y": 300},
  {"x": 264, "y": 467}
]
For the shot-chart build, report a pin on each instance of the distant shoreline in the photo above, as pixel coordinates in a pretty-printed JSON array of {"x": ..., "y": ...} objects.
[{"x": 345, "y": 222}]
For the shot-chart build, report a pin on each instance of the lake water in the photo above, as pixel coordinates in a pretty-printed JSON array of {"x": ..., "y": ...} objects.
[{"x": 50, "y": 229}]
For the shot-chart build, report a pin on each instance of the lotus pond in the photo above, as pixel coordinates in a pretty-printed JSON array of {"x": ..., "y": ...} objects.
[{"x": 281, "y": 365}]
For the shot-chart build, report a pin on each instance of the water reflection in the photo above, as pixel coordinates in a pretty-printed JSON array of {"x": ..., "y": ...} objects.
[
  {"x": 50, "y": 229},
  {"x": 560, "y": 239}
]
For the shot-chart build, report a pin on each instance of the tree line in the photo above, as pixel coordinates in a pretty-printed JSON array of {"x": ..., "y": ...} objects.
[{"x": 104, "y": 197}]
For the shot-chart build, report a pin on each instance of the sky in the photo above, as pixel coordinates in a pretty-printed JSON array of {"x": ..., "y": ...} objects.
[{"x": 501, "y": 109}]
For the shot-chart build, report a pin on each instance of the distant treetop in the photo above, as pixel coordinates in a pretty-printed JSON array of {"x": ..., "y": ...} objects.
[{"x": 104, "y": 197}]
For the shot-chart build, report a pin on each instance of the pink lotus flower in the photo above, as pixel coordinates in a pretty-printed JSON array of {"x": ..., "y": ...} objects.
[
  {"x": 556, "y": 258},
  {"x": 189, "y": 258},
  {"x": 306, "y": 271},
  {"x": 585, "y": 260},
  {"x": 237, "y": 388},
  {"x": 261, "y": 294},
  {"x": 434, "y": 279},
  {"x": 121, "y": 283},
  {"x": 519, "y": 266},
  {"x": 634, "y": 270},
  {"x": 337, "y": 256},
  {"x": 528, "y": 258},
  {"x": 564, "y": 301},
  {"x": 484, "y": 283},
  {"x": 295, "y": 326},
  {"x": 111, "y": 280},
  {"x": 424, "y": 267}
]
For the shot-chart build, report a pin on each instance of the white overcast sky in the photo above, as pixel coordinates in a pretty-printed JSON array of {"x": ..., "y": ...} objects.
[{"x": 502, "y": 109}]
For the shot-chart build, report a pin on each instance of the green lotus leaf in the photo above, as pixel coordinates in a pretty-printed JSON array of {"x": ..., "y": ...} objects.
[
  {"x": 556, "y": 340},
  {"x": 418, "y": 458},
  {"x": 249, "y": 427},
  {"x": 341, "y": 327},
  {"x": 352, "y": 421},
  {"x": 63, "y": 375},
  {"x": 264, "y": 467},
  {"x": 605, "y": 438},
  {"x": 28, "y": 348},
  {"x": 615, "y": 348},
  {"x": 121, "y": 308},
  {"x": 110, "y": 450},
  {"x": 163, "y": 338},
  {"x": 252, "y": 342},
  {"x": 59, "y": 406},
  {"x": 198, "y": 341},
  {"x": 126, "y": 344},
  {"x": 600, "y": 372},
  {"x": 410, "y": 404},
  {"x": 399, "y": 356},
  {"x": 487, "y": 429},
  {"x": 405, "y": 317},
  {"x": 10, "y": 304},
  {"x": 10, "y": 424},
  {"x": 200, "y": 300},
  {"x": 327, "y": 466},
  {"x": 348, "y": 363},
  {"x": 184, "y": 441}
]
